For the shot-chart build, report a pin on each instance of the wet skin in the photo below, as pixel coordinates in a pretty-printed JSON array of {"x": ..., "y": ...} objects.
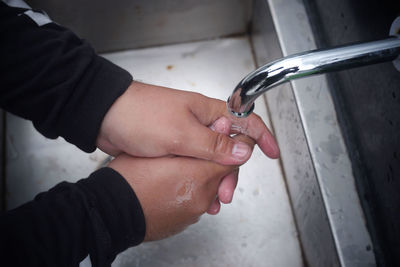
[
  {"x": 173, "y": 191},
  {"x": 154, "y": 121}
]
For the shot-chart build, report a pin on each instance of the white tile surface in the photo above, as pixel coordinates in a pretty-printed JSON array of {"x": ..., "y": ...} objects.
[{"x": 257, "y": 229}]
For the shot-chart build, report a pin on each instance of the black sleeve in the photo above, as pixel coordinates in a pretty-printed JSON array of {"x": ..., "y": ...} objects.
[
  {"x": 52, "y": 77},
  {"x": 100, "y": 216}
]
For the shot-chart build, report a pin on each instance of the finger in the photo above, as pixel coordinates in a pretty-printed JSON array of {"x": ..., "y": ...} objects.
[
  {"x": 227, "y": 187},
  {"x": 254, "y": 127},
  {"x": 215, "y": 207},
  {"x": 228, "y": 183},
  {"x": 202, "y": 142},
  {"x": 207, "y": 110},
  {"x": 222, "y": 125},
  {"x": 245, "y": 139},
  {"x": 217, "y": 152}
]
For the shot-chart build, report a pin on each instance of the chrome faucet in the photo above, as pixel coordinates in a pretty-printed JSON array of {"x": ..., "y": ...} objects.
[{"x": 241, "y": 101}]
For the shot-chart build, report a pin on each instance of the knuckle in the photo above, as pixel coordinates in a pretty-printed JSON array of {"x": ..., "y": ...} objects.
[{"x": 220, "y": 144}]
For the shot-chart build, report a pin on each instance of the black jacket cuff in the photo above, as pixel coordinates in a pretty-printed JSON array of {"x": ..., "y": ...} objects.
[{"x": 122, "y": 223}]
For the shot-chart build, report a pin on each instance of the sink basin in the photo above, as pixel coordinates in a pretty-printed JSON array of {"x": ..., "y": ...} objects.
[{"x": 252, "y": 231}]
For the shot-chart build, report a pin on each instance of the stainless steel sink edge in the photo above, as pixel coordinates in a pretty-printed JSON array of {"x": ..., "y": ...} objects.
[
  {"x": 311, "y": 220},
  {"x": 317, "y": 167}
]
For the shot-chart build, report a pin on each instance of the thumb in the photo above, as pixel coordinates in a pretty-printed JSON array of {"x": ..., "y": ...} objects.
[{"x": 218, "y": 147}]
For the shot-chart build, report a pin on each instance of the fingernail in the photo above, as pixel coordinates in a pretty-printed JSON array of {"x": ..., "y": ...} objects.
[{"x": 240, "y": 150}]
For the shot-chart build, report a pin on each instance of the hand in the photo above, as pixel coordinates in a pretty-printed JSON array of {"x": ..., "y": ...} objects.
[
  {"x": 153, "y": 121},
  {"x": 173, "y": 191}
]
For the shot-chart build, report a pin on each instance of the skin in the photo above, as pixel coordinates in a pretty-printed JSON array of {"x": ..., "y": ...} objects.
[
  {"x": 174, "y": 122},
  {"x": 182, "y": 189},
  {"x": 154, "y": 121},
  {"x": 228, "y": 183}
]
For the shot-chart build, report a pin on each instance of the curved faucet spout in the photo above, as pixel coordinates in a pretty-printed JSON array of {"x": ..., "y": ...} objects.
[{"x": 241, "y": 101}]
